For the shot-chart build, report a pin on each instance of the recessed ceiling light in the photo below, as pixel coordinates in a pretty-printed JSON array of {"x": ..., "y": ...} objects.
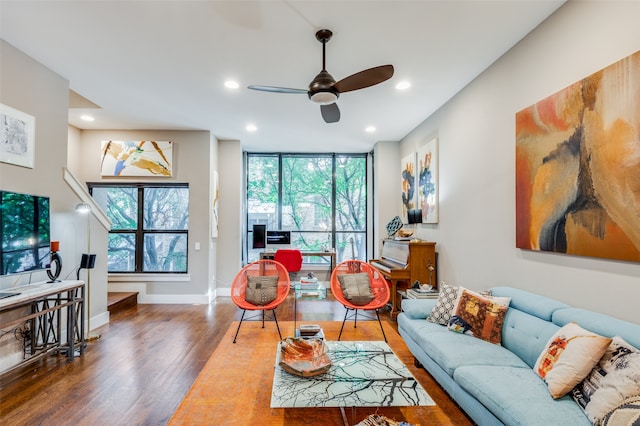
[
  {"x": 87, "y": 118},
  {"x": 370, "y": 129},
  {"x": 230, "y": 84},
  {"x": 251, "y": 128},
  {"x": 403, "y": 85}
]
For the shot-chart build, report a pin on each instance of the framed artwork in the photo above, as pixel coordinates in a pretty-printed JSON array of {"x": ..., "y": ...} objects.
[
  {"x": 578, "y": 167},
  {"x": 136, "y": 158},
  {"x": 428, "y": 181},
  {"x": 214, "y": 207},
  {"x": 408, "y": 181},
  {"x": 17, "y": 137}
]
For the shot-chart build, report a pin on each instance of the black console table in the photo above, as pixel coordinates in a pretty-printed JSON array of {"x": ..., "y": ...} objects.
[{"x": 46, "y": 317}]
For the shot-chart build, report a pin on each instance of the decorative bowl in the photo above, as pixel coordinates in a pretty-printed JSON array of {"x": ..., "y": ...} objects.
[
  {"x": 304, "y": 357},
  {"x": 404, "y": 234}
]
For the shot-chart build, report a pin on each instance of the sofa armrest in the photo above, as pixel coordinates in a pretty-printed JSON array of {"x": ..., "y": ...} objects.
[{"x": 418, "y": 308}]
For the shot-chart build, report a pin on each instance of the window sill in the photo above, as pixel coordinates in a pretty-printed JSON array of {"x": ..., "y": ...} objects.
[{"x": 113, "y": 278}]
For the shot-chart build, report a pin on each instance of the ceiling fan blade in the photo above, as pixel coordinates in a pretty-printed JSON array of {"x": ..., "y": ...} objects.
[
  {"x": 278, "y": 89},
  {"x": 366, "y": 78},
  {"x": 330, "y": 113}
]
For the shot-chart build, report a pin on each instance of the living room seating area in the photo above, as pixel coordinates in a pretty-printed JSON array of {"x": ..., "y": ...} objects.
[{"x": 500, "y": 383}]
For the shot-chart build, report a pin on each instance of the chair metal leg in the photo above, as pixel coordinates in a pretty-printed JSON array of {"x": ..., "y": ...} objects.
[
  {"x": 244, "y": 311},
  {"x": 380, "y": 322},
  {"x": 343, "y": 321},
  {"x": 276, "y": 320}
]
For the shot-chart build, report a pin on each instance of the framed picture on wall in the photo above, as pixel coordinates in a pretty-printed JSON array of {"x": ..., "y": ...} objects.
[
  {"x": 578, "y": 168},
  {"x": 137, "y": 158},
  {"x": 427, "y": 176},
  {"x": 408, "y": 182},
  {"x": 17, "y": 137}
]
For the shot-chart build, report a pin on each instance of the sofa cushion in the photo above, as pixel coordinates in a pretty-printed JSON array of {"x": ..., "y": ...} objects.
[
  {"x": 611, "y": 382},
  {"x": 534, "y": 304},
  {"x": 599, "y": 323},
  {"x": 517, "y": 396},
  {"x": 416, "y": 328},
  {"x": 526, "y": 335},
  {"x": 447, "y": 298},
  {"x": 480, "y": 316},
  {"x": 452, "y": 350},
  {"x": 418, "y": 308},
  {"x": 568, "y": 357}
]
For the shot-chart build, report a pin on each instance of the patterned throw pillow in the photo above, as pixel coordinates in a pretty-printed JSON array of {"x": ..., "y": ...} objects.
[
  {"x": 261, "y": 290},
  {"x": 627, "y": 414},
  {"x": 570, "y": 354},
  {"x": 614, "y": 379},
  {"x": 356, "y": 288},
  {"x": 441, "y": 313},
  {"x": 478, "y": 315}
]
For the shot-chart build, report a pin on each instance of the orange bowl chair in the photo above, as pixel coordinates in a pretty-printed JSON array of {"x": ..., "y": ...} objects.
[
  {"x": 379, "y": 288},
  {"x": 291, "y": 259},
  {"x": 256, "y": 269}
]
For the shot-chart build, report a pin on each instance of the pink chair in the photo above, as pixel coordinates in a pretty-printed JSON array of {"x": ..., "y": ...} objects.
[
  {"x": 379, "y": 288},
  {"x": 259, "y": 269}
]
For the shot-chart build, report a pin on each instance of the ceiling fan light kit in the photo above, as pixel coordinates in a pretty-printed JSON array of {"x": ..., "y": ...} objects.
[
  {"x": 324, "y": 89},
  {"x": 324, "y": 98}
]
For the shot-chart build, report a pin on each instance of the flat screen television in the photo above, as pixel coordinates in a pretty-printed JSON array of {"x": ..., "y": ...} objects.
[
  {"x": 279, "y": 238},
  {"x": 24, "y": 233}
]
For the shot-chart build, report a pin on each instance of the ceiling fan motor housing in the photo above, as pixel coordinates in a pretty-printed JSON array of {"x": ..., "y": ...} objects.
[{"x": 321, "y": 89}]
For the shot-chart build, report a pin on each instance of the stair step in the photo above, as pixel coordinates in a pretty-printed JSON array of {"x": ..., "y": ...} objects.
[{"x": 118, "y": 301}]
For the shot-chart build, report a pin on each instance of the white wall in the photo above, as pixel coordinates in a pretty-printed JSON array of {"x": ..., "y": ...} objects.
[
  {"x": 28, "y": 86},
  {"x": 476, "y": 132},
  {"x": 386, "y": 169},
  {"x": 229, "y": 253}
]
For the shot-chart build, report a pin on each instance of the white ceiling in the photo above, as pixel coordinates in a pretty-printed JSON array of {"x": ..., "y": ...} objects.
[{"x": 162, "y": 64}]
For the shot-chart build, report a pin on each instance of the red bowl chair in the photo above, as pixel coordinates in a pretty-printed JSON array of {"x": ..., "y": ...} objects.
[
  {"x": 291, "y": 259},
  {"x": 260, "y": 268},
  {"x": 379, "y": 288}
]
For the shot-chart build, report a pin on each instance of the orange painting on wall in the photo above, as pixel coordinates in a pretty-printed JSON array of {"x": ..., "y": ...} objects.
[{"x": 578, "y": 167}]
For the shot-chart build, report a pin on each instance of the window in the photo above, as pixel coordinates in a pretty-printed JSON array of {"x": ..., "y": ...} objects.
[
  {"x": 321, "y": 198},
  {"x": 150, "y": 226}
]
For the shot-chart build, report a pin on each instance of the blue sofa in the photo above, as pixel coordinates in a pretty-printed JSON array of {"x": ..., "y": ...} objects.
[{"x": 496, "y": 384}]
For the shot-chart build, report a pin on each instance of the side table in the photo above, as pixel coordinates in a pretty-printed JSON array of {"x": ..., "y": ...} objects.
[{"x": 315, "y": 291}]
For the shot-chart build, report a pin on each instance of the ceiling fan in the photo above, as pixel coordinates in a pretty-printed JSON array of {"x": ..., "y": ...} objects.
[{"x": 324, "y": 89}]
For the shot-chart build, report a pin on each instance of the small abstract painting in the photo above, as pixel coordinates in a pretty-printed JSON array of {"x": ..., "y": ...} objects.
[
  {"x": 17, "y": 137},
  {"x": 428, "y": 181},
  {"x": 136, "y": 158},
  {"x": 578, "y": 167},
  {"x": 408, "y": 181}
]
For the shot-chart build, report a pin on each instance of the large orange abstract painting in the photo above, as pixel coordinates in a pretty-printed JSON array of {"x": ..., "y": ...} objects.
[{"x": 578, "y": 167}]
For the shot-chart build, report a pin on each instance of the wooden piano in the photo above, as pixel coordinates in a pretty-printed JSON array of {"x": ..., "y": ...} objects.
[{"x": 406, "y": 262}]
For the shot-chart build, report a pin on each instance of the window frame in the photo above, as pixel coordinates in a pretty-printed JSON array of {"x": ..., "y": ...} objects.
[
  {"x": 140, "y": 232},
  {"x": 279, "y": 156}
]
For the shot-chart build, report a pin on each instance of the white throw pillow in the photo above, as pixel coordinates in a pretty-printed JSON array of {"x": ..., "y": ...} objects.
[
  {"x": 613, "y": 380},
  {"x": 570, "y": 354}
]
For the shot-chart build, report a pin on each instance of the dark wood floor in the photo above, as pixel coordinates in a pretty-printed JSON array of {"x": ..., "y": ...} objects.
[{"x": 137, "y": 372}]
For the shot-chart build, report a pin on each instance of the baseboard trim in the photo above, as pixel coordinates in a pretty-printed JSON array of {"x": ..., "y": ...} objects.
[{"x": 164, "y": 299}]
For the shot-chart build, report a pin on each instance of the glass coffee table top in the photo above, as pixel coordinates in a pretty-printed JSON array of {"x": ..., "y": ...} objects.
[{"x": 363, "y": 374}]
